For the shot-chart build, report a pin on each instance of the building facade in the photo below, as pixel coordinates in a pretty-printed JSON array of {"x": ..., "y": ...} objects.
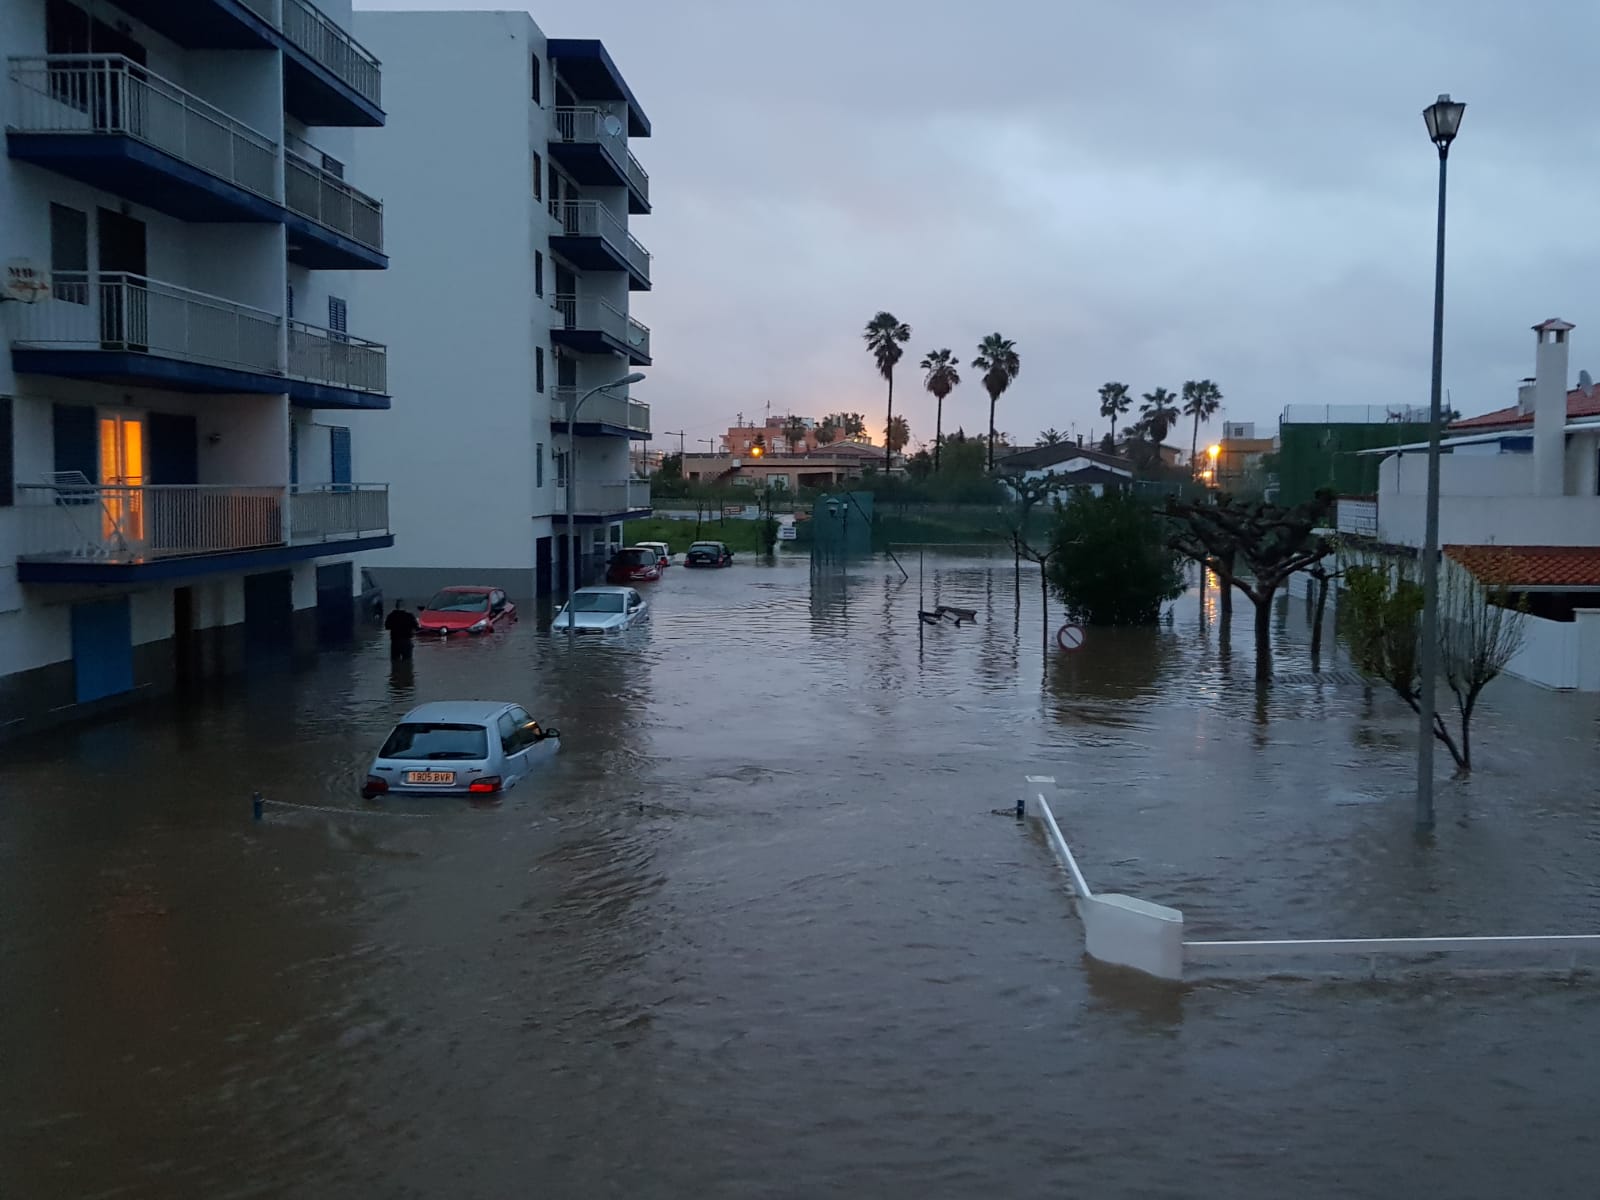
[
  {"x": 180, "y": 490},
  {"x": 508, "y": 194},
  {"x": 1074, "y": 465}
]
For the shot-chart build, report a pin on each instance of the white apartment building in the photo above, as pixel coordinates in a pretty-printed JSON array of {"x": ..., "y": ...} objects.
[
  {"x": 179, "y": 486},
  {"x": 509, "y": 182}
]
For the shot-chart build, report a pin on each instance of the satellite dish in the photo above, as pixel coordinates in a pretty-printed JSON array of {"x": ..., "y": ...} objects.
[
  {"x": 1585, "y": 383},
  {"x": 612, "y": 125}
]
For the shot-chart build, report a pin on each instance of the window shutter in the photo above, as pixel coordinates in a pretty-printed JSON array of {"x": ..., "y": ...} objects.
[
  {"x": 294, "y": 453},
  {"x": 339, "y": 439},
  {"x": 7, "y": 466},
  {"x": 538, "y": 369},
  {"x": 337, "y": 317}
]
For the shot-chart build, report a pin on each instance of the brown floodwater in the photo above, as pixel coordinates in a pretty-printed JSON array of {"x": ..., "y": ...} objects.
[{"x": 758, "y": 931}]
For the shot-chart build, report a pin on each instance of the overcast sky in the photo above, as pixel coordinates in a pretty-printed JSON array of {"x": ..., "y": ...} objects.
[{"x": 1136, "y": 191}]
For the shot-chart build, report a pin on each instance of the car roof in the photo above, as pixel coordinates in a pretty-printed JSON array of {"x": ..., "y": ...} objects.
[
  {"x": 707, "y": 542},
  {"x": 468, "y": 587},
  {"x": 602, "y": 590},
  {"x": 457, "y": 712}
]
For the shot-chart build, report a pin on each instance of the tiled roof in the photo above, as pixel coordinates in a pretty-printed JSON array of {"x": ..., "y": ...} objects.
[
  {"x": 1055, "y": 455},
  {"x": 1531, "y": 566},
  {"x": 1578, "y": 405}
]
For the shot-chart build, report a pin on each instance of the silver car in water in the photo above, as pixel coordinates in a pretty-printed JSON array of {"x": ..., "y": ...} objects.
[
  {"x": 460, "y": 748},
  {"x": 602, "y": 610}
]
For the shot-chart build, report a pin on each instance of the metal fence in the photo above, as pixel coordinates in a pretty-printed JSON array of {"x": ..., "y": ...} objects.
[
  {"x": 338, "y": 510},
  {"x": 324, "y": 356},
  {"x": 309, "y": 28},
  {"x": 111, "y": 94},
  {"x": 328, "y": 200},
  {"x": 597, "y": 127},
  {"x": 133, "y": 524},
  {"x": 601, "y": 408},
  {"x": 589, "y": 218},
  {"x": 589, "y": 313}
]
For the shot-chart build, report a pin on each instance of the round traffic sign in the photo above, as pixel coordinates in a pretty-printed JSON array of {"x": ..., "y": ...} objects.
[{"x": 1070, "y": 637}]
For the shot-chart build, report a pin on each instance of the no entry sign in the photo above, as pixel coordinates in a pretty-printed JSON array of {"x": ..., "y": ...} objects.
[{"x": 1070, "y": 637}]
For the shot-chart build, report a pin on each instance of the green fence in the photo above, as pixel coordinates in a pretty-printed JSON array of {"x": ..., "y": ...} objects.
[{"x": 1311, "y": 457}]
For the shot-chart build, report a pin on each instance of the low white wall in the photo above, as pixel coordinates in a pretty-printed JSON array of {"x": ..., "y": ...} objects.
[
  {"x": 1130, "y": 932},
  {"x": 1549, "y": 653}
]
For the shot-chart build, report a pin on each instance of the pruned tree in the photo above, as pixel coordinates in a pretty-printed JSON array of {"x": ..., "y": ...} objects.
[
  {"x": 1480, "y": 631},
  {"x": 1270, "y": 541},
  {"x": 1029, "y": 493}
]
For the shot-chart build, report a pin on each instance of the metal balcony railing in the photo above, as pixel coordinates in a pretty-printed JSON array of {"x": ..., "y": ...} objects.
[
  {"x": 638, "y": 177},
  {"x": 591, "y": 219},
  {"x": 337, "y": 359},
  {"x": 337, "y": 511},
  {"x": 108, "y": 94},
  {"x": 309, "y": 28},
  {"x": 594, "y": 126},
  {"x": 603, "y": 498},
  {"x": 123, "y": 312},
  {"x": 609, "y": 410},
  {"x": 585, "y": 313},
  {"x": 312, "y": 191},
  {"x": 132, "y": 524}
]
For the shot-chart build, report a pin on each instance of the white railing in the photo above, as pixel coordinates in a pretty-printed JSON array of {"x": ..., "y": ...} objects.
[
  {"x": 323, "y": 356},
  {"x": 1358, "y": 516},
  {"x": 313, "y": 192},
  {"x": 110, "y": 94},
  {"x": 603, "y": 499},
  {"x": 310, "y": 29},
  {"x": 585, "y": 313},
  {"x": 593, "y": 126},
  {"x": 608, "y": 410},
  {"x": 589, "y": 218},
  {"x": 335, "y": 511},
  {"x": 137, "y": 524},
  {"x": 638, "y": 177},
  {"x": 119, "y": 311}
]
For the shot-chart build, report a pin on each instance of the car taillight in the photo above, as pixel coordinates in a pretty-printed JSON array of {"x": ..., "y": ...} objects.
[
  {"x": 375, "y": 786},
  {"x": 488, "y": 784}
]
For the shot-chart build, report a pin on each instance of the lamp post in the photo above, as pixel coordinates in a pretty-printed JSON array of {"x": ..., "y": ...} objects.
[
  {"x": 1443, "y": 118},
  {"x": 572, "y": 486}
]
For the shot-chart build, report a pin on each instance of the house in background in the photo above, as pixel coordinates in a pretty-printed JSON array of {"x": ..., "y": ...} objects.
[
  {"x": 1238, "y": 460},
  {"x": 1083, "y": 468},
  {"x": 511, "y": 180},
  {"x": 775, "y": 437},
  {"x": 825, "y": 467},
  {"x": 1519, "y": 506},
  {"x": 179, "y": 490}
]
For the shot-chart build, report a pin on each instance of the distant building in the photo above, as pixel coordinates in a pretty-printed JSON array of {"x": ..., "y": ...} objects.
[
  {"x": 1238, "y": 458},
  {"x": 824, "y": 467},
  {"x": 1319, "y": 446},
  {"x": 1084, "y": 468},
  {"x": 1171, "y": 456},
  {"x": 774, "y": 433}
]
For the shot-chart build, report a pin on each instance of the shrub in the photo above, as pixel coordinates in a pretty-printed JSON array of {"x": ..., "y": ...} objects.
[{"x": 1110, "y": 563}]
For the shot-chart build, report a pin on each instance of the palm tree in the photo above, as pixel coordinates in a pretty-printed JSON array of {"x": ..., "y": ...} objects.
[
  {"x": 794, "y": 434},
  {"x": 1052, "y": 437},
  {"x": 941, "y": 379},
  {"x": 1114, "y": 399},
  {"x": 997, "y": 359},
  {"x": 884, "y": 335},
  {"x": 897, "y": 434},
  {"x": 826, "y": 432},
  {"x": 1159, "y": 412},
  {"x": 1201, "y": 399}
]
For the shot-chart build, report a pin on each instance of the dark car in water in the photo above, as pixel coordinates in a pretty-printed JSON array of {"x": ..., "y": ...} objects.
[
  {"x": 634, "y": 565},
  {"x": 708, "y": 554}
]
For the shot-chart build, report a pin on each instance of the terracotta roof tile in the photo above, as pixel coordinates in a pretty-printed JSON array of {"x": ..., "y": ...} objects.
[
  {"x": 1578, "y": 405},
  {"x": 1531, "y": 566}
]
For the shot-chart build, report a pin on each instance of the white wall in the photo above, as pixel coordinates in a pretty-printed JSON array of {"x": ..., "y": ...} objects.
[
  {"x": 456, "y": 306},
  {"x": 1488, "y": 500}
]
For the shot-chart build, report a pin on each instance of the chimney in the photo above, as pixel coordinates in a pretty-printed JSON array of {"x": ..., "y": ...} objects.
[
  {"x": 1550, "y": 408},
  {"x": 1525, "y": 396}
]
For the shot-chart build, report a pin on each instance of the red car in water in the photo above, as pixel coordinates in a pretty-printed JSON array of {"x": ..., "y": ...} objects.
[
  {"x": 636, "y": 564},
  {"x": 471, "y": 610}
]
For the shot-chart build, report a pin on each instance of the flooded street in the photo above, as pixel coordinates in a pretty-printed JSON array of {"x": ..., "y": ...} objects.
[{"x": 758, "y": 932}]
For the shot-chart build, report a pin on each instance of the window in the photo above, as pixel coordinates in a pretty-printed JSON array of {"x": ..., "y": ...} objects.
[
  {"x": 333, "y": 166},
  {"x": 288, "y": 302},
  {"x": 7, "y": 468},
  {"x": 69, "y": 254},
  {"x": 538, "y": 176},
  {"x": 538, "y": 465},
  {"x": 535, "y": 90},
  {"x": 566, "y": 371},
  {"x": 508, "y": 733},
  {"x": 339, "y": 445},
  {"x": 433, "y": 740},
  {"x": 538, "y": 369},
  {"x": 338, "y": 324},
  {"x": 561, "y": 468},
  {"x": 538, "y": 273}
]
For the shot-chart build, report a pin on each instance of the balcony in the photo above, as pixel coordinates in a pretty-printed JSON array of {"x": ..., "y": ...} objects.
[
  {"x": 334, "y": 370},
  {"x": 328, "y": 77},
  {"x": 133, "y": 331},
  {"x": 86, "y": 534},
  {"x": 596, "y": 327},
  {"x": 601, "y": 415},
  {"x": 594, "y": 240},
  {"x": 106, "y": 121},
  {"x": 331, "y": 225},
  {"x": 605, "y": 501},
  {"x": 584, "y": 65},
  {"x": 593, "y": 147}
]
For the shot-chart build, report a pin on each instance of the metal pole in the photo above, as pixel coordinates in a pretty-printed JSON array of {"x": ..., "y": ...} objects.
[{"x": 1430, "y": 543}]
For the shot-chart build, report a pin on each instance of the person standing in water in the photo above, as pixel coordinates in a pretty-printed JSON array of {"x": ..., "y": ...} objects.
[{"x": 402, "y": 626}]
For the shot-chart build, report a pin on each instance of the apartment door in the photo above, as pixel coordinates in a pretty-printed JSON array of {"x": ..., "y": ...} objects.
[
  {"x": 123, "y": 263},
  {"x": 122, "y": 476}
]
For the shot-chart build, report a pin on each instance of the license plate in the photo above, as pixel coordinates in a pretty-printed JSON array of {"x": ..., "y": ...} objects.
[{"x": 430, "y": 776}]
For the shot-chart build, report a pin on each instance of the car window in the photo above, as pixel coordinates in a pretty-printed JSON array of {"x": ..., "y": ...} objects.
[
  {"x": 600, "y": 602},
  {"x": 448, "y": 601},
  {"x": 634, "y": 600},
  {"x": 436, "y": 740},
  {"x": 520, "y": 715}
]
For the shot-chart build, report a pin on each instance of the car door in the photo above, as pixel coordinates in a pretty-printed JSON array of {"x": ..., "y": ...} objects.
[
  {"x": 497, "y": 607},
  {"x": 525, "y": 740},
  {"x": 636, "y": 608},
  {"x": 510, "y": 765}
]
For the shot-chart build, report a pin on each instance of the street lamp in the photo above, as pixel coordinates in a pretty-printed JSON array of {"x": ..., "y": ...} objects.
[
  {"x": 1443, "y": 118},
  {"x": 572, "y": 486}
]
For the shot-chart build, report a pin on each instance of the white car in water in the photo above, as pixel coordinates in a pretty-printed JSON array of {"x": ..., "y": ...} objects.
[
  {"x": 459, "y": 748},
  {"x": 602, "y": 610}
]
